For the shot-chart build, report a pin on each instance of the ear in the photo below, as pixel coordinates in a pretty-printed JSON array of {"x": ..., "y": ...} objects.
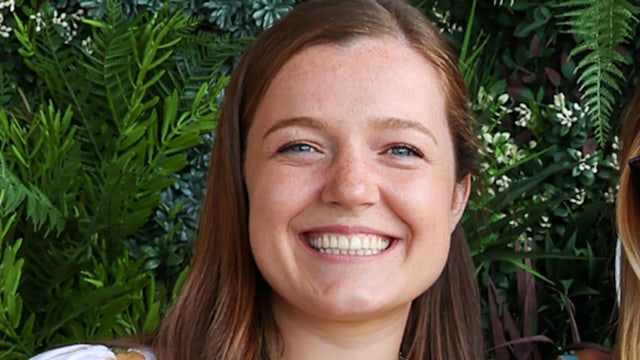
[{"x": 459, "y": 199}]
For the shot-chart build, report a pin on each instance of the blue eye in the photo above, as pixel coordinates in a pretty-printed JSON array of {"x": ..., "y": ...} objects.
[
  {"x": 404, "y": 150},
  {"x": 296, "y": 147}
]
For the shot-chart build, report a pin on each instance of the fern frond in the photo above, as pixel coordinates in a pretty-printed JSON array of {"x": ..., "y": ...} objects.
[
  {"x": 46, "y": 53},
  {"x": 38, "y": 208},
  {"x": 108, "y": 69},
  {"x": 600, "y": 26},
  {"x": 7, "y": 89},
  {"x": 12, "y": 341},
  {"x": 199, "y": 56}
]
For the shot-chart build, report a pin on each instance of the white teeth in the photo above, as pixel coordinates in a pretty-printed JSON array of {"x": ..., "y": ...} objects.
[
  {"x": 355, "y": 243},
  {"x": 343, "y": 244},
  {"x": 334, "y": 241}
]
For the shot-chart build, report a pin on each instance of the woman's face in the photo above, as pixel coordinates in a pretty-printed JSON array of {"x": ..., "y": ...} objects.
[{"x": 350, "y": 174}]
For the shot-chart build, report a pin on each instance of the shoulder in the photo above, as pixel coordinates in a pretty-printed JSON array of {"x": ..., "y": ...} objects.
[{"x": 94, "y": 352}]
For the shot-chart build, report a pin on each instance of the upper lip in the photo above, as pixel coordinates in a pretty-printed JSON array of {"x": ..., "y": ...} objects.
[{"x": 347, "y": 229}]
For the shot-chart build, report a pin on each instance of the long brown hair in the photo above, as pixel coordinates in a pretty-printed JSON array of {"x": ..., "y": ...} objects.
[
  {"x": 628, "y": 225},
  {"x": 223, "y": 310}
]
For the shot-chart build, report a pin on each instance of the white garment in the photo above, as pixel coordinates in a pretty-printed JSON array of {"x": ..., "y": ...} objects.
[{"x": 86, "y": 352}]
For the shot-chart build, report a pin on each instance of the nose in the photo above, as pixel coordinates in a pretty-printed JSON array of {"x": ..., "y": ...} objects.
[{"x": 350, "y": 182}]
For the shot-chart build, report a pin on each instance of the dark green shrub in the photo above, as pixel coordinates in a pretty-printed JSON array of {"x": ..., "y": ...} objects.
[
  {"x": 542, "y": 233},
  {"x": 83, "y": 173}
]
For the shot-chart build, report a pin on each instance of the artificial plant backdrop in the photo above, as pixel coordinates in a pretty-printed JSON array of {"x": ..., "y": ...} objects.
[{"x": 106, "y": 115}]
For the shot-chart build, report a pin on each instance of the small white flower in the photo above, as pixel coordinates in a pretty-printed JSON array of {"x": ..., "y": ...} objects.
[
  {"x": 483, "y": 96},
  {"x": 86, "y": 45},
  {"x": 610, "y": 195},
  {"x": 501, "y": 2},
  {"x": 40, "y": 24},
  {"x": 566, "y": 117},
  {"x": 444, "y": 20},
  {"x": 68, "y": 22},
  {"x": 524, "y": 115},
  {"x": 615, "y": 145},
  {"x": 487, "y": 138},
  {"x": 10, "y": 4},
  {"x": 580, "y": 195},
  {"x": 586, "y": 163},
  {"x": 503, "y": 183},
  {"x": 567, "y": 114},
  {"x": 614, "y": 162},
  {"x": 5, "y": 31},
  {"x": 544, "y": 222},
  {"x": 558, "y": 101}
]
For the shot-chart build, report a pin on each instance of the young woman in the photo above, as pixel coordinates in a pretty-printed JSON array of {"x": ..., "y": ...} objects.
[
  {"x": 339, "y": 174},
  {"x": 627, "y": 215}
]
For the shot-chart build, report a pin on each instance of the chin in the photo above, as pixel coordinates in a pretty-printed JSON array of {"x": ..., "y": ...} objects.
[{"x": 358, "y": 308}]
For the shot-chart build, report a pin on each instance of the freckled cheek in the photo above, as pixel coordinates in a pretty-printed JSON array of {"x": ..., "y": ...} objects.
[
  {"x": 424, "y": 204},
  {"x": 278, "y": 195}
]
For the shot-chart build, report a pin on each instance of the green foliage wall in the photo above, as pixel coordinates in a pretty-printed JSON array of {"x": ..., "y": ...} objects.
[
  {"x": 106, "y": 112},
  {"x": 94, "y": 131},
  {"x": 542, "y": 230}
]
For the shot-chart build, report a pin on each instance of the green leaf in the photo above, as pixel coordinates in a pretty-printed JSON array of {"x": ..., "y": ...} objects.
[{"x": 601, "y": 26}]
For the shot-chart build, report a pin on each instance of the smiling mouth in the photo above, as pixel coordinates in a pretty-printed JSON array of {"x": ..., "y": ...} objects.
[{"x": 348, "y": 244}]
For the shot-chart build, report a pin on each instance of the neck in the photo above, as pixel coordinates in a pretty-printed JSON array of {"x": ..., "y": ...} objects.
[{"x": 310, "y": 337}]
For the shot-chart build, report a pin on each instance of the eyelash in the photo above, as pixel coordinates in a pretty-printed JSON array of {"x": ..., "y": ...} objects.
[
  {"x": 408, "y": 151},
  {"x": 296, "y": 147}
]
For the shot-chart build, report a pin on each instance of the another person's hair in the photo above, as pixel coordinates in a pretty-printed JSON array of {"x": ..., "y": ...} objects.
[
  {"x": 627, "y": 345},
  {"x": 223, "y": 310}
]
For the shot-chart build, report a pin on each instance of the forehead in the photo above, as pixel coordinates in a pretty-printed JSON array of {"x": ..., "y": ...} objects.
[
  {"x": 366, "y": 71},
  {"x": 377, "y": 52}
]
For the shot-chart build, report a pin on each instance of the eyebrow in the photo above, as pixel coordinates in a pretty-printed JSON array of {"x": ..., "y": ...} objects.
[
  {"x": 403, "y": 124},
  {"x": 383, "y": 124},
  {"x": 296, "y": 121}
]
